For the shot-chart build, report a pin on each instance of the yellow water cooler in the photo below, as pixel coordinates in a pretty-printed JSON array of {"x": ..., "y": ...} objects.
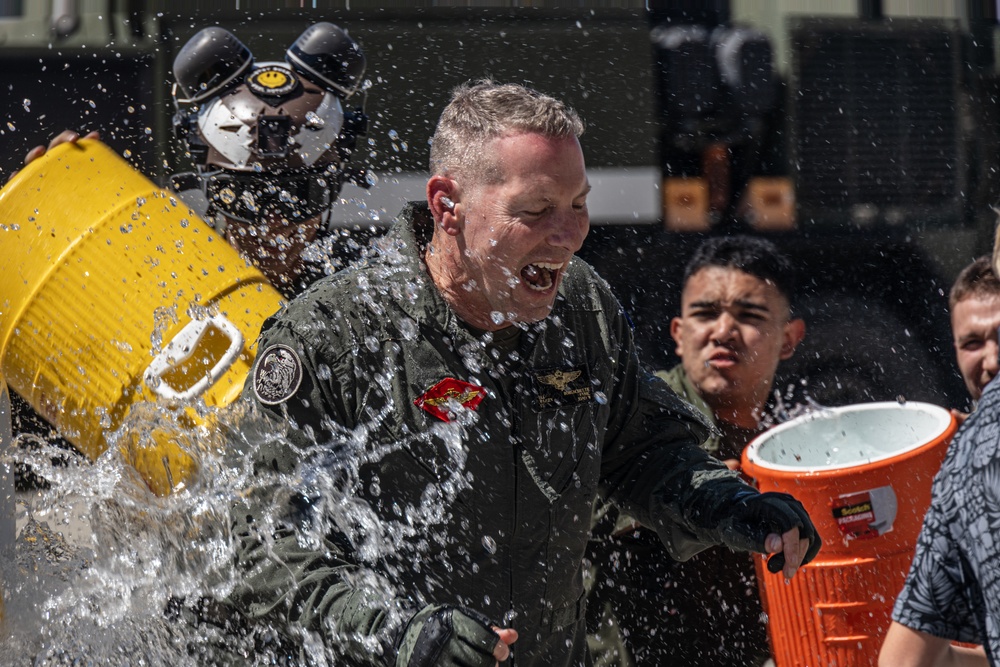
[{"x": 115, "y": 292}]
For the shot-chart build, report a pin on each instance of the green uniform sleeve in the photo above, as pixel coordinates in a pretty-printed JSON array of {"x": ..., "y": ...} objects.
[
  {"x": 654, "y": 468},
  {"x": 315, "y": 588},
  {"x": 297, "y": 570}
]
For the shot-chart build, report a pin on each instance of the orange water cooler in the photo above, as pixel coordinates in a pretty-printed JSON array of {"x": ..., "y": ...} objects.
[
  {"x": 114, "y": 292},
  {"x": 864, "y": 474}
]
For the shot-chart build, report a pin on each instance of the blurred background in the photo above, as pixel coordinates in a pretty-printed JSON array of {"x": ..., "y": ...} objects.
[{"x": 861, "y": 137}]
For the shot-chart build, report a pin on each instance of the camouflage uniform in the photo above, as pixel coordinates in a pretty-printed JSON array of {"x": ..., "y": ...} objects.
[{"x": 549, "y": 414}]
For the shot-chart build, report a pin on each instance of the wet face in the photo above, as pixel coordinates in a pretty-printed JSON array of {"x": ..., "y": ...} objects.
[
  {"x": 513, "y": 239},
  {"x": 274, "y": 245},
  {"x": 974, "y": 323},
  {"x": 733, "y": 330}
]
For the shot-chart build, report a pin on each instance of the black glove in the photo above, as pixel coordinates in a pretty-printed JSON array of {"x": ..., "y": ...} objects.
[
  {"x": 754, "y": 516},
  {"x": 444, "y": 636}
]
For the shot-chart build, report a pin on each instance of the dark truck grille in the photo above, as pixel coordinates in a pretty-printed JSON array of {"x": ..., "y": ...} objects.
[{"x": 875, "y": 121}]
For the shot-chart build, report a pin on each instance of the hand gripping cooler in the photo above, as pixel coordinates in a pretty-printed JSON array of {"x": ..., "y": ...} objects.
[
  {"x": 115, "y": 292},
  {"x": 864, "y": 474}
]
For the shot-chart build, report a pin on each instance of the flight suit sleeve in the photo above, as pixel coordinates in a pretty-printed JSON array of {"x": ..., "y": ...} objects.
[
  {"x": 653, "y": 467},
  {"x": 296, "y": 567}
]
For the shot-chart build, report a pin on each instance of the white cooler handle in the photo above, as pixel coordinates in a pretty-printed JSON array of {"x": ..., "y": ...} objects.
[{"x": 181, "y": 347}]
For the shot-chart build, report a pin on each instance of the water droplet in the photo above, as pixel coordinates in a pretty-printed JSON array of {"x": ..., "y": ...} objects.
[
  {"x": 26, "y": 104},
  {"x": 601, "y": 397},
  {"x": 314, "y": 121},
  {"x": 408, "y": 328},
  {"x": 249, "y": 201},
  {"x": 371, "y": 343},
  {"x": 497, "y": 317},
  {"x": 489, "y": 544},
  {"x": 104, "y": 419}
]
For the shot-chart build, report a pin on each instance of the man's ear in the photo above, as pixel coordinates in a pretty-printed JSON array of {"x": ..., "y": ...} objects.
[
  {"x": 675, "y": 333},
  {"x": 793, "y": 334},
  {"x": 443, "y": 200}
]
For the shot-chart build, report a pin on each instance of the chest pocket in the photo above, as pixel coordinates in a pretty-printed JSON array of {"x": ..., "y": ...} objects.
[{"x": 562, "y": 454}]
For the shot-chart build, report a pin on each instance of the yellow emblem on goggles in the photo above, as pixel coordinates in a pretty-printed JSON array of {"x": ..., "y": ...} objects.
[{"x": 272, "y": 80}]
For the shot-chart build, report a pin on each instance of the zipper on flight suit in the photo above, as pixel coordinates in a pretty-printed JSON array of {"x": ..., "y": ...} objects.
[{"x": 515, "y": 437}]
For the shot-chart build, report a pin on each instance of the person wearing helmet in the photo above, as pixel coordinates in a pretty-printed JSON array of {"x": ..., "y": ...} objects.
[{"x": 271, "y": 142}]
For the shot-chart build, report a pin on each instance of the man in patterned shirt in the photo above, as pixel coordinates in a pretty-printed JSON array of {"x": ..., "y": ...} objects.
[{"x": 952, "y": 592}]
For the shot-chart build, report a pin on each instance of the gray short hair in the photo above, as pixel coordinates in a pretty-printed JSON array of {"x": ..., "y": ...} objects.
[{"x": 482, "y": 111}]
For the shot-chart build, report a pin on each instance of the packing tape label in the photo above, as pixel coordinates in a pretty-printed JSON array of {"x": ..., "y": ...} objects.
[{"x": 866, "y": 514}]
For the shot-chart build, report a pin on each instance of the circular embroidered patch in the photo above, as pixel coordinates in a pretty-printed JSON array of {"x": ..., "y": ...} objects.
[
  {"x": 277, "y": 375},
  {"x": 272, "y": 80}
]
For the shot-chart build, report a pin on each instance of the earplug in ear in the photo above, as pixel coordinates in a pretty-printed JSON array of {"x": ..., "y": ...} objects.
[{"x": 448, "y": 204}]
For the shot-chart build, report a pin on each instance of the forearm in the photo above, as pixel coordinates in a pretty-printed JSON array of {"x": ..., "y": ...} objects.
[
  {"x": 681, "y": 484},
  {"x": 655, "y": 471},
  {"x": 686, "y": 509},
  {"x": 318, "y": 590},
  {"x": 906, "y": 647}
]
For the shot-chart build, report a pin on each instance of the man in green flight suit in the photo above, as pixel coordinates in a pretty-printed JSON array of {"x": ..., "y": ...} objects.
[
  {"x": 452, "y": 408},
  {"x": 735, "y": 326}
]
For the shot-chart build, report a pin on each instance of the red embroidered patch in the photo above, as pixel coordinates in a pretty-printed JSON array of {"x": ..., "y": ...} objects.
[{"x": 435, "y": 400}]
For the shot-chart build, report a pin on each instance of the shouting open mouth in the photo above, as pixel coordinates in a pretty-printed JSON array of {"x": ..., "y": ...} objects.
[{"x": 541, "y": 276}]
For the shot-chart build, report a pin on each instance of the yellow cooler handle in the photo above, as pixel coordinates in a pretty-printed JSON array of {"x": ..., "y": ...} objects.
[{"x": 181, "y": 347}]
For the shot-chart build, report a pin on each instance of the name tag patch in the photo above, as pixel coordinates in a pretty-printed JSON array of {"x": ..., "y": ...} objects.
[{"x": 560, "y": 387}]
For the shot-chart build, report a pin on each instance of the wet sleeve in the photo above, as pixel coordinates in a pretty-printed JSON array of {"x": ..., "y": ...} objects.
[
  {"x": 653, "y": 466},
  {"x": 314, "y": 588},
  {"x": 297, "y": 570},
  {"x": 298, "y": 378}
]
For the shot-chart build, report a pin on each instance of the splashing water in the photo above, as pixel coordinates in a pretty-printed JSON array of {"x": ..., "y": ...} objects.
[
  {"x": 125, "y": 592},
  {"x": 788, "y": 405}
]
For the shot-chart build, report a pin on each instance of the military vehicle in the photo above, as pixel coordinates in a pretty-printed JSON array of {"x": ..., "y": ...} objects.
[{"x": 861, "y": 137}]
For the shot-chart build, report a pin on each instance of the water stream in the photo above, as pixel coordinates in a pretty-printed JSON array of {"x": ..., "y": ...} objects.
[{"x": 101, "y": 564}]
